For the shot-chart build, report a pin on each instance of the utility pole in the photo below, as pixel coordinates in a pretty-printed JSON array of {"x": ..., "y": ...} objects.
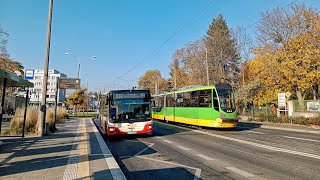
[
  {"x": 207, "y": 66},
  {"x": 78, "y": 70},
  {"x": 42, "y": 114}
]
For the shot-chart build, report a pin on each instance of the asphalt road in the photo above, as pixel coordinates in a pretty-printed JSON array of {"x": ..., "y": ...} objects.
[{"x": 181, "y": 152}]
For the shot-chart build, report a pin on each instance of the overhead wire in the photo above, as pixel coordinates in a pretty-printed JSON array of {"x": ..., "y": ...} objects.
[{"x": 167, "y": 40}]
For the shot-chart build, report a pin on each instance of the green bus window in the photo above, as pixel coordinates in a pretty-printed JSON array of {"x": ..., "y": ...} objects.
[
  {"x": 186, "y": 99},
  {"x": 170, "y": 100},
  {"x": 215, "y": 100},
  {"x": 180, "y": 100},
  {"x": 194, "y": 102},
  {"x": 205, "y": 98}
]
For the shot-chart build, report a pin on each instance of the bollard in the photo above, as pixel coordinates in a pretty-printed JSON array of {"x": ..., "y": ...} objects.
[{"x": 47, "y": 129}]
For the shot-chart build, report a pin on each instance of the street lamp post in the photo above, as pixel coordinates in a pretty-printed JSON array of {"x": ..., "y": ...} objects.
[
  {"x": 207, "y": 66},
  {"x": 68, "y": 54},
  {"x": 42, "y": 114}
]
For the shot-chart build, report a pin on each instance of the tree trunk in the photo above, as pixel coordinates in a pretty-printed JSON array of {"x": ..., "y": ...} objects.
[{"x": 300, "y": 99}]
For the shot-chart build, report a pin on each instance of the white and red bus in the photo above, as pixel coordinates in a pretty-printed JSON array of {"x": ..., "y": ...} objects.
[{"x": 127, "y": 112}]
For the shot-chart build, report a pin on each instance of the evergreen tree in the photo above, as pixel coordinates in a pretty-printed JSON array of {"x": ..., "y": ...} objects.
[{"x": 223, "y": 57}]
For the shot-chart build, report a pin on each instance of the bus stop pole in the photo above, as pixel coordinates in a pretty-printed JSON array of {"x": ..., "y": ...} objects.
[
  {"x": 2, "y": 101},
  {"x": 25, "y": 113},
  {"x": 56, "y": 105}
]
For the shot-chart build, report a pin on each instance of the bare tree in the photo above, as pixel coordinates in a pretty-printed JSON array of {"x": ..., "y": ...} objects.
[
  {"x": 279, "y": 25},
  {"x": 244, "y": 48},
  {"x": 3, "y": 43}
]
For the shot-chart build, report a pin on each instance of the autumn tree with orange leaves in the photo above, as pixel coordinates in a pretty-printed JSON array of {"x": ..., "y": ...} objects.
[{"x": 290, "y": 61}]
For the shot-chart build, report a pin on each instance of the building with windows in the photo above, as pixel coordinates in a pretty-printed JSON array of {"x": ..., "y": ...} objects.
[{"x": 36, "y": 78}]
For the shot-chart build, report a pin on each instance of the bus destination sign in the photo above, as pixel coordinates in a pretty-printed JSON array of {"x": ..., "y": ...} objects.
[{"x": 130, "y": 96}]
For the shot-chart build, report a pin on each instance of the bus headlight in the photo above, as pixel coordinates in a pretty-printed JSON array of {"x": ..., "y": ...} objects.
[{"x": 111, "y": 129}]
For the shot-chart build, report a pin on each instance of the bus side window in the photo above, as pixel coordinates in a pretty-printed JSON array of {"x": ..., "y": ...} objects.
[
  {"x": 205, "y": 98},
  {"x": 170, "y": 100},
  {"x": 180, "y": 100},
  {"x": 194, "y": 102},
  {"x": 186, "y": 99},
  {"x": 215, "y": 100}
]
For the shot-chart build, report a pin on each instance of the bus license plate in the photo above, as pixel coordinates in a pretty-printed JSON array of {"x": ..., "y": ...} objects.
[{"x": 132, "y": 132}]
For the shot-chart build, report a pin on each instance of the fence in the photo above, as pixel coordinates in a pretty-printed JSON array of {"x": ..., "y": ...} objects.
[
  {"x": 255, "y": 111},
  {"x": 307, "y": 108}
]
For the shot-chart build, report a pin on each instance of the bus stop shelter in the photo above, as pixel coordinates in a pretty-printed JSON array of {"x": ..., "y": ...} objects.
[{"x": 11, "y": 80}]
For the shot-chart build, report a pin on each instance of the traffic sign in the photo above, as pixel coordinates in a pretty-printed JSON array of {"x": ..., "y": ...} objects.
[
  {"x": 288, "y": 94},
  {"x": 282, "y": 100}
]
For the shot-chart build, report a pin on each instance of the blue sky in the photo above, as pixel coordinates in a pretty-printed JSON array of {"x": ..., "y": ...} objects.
[{"x": 120, "y": 33}]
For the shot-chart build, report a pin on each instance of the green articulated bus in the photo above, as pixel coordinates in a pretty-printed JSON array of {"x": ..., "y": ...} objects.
[{"x": 207, "y": 106}]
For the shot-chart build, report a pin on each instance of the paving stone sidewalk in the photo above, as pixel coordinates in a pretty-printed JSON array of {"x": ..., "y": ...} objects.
[{"x": 76, "y": 151}]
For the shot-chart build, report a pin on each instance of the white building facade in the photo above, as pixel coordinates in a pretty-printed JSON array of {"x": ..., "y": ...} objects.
[{"x": 35, "y": 93}]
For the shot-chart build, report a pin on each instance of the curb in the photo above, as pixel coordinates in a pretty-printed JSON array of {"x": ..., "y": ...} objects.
[
  {"x": 290, "y": 129},
  {"x": 112, "y": 164}
]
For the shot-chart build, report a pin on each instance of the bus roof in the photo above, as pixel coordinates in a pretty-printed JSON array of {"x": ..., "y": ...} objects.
[
  {"x": 217, "y": 86},
  {"x": 127, "y": 90}
]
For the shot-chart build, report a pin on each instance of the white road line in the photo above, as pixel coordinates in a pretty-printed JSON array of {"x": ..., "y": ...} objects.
[
  {"x": 158, "y": 137},
  {"x": 149, "y": 146},
  {"x": 256, "y": 132},
  {"x": 184, "y": 148},
  {"x": 239, "y": 171},
  {"x": 312, "y": 140},
  {"x": 196, "y": 176},
  {"x": 167, "y": 141},
  {"x": 261, "y": 145},
  {"x": 205, "y": 157},
  {"x": 111, "y": 162}
]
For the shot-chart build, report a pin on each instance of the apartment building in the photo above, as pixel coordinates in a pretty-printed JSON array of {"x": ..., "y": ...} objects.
[{"x": 35, "y": 93}]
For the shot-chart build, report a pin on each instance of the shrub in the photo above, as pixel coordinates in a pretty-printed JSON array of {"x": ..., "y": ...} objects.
[
  {"x": 294, "y": 120},
  {"x": 32, "y": 119}
]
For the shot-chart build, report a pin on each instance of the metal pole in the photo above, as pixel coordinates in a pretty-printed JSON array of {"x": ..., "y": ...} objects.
[
  {"x": 56, "y": 104},
  {"x": 207, "y": 67},
  {"x": 25, "y": 113},
  {"x": 87, "y": 97},
  {"x": 175, "y": 77},
  {"x": 2, "y": 101},
  {"x": 42, "y": 114},
  {"x": 78, "y": 70}
]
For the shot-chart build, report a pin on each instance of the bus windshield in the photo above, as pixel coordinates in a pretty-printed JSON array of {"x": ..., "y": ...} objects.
[
  {"x": 131, "y": 106},
  {"x": 226, "y": 99}
]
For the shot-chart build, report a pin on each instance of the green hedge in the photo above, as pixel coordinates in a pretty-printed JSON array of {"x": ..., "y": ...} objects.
[{"x": 290, "y": 120}]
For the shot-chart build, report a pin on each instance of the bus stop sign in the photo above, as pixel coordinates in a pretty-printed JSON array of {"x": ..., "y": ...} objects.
[{"x": 69, "y": 83}]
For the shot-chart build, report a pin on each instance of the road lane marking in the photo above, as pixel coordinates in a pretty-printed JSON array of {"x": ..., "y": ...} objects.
[
  {"x": 256, "y": 132},
  {"x": 205, "y": 157},
  {"x": 260, "y": 145},
  {"x": 111, "y": 162},
  {"x": 158, "y": 137},
  {"x": 149, "y": 146},
  {"x": 167, "y": 141},
  {"x": 239, "y": 171},
  {"x": 183, "y": 148},
  {"x": 196, "y": 175},
  {"x": 312, "y": 140}
]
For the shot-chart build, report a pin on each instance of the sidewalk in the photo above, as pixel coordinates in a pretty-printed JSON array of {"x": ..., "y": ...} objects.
[
  {"x": 279, "y": 126},
  {"x": 76, "y": 151}
]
